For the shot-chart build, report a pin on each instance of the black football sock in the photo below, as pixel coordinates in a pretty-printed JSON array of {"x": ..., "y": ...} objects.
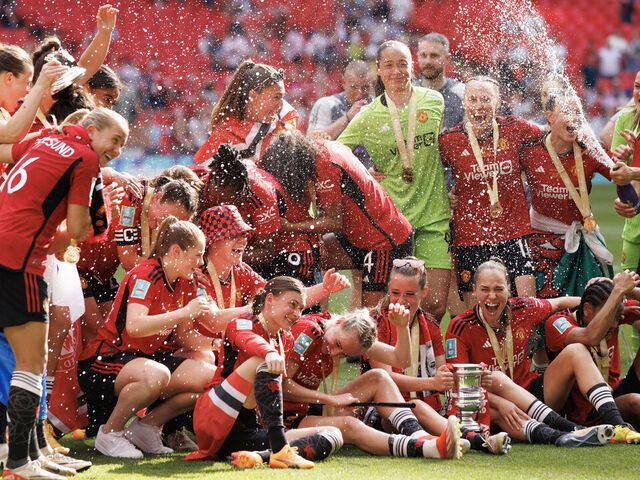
[
  {"x": 600, "y": 397},
  {"x": 34, "y": 451},
  {"x": 41, "y": 435},
  {"x": 544, "y": 414},
  {"x": 267, "y": 388},
  {"x": 475, "y": 439},
  {"x": 406, "y": 422},
  {"x": 24, "y": 397},
  {"x": 317, "y": 447},
  {"x": 539, "y": 433}
]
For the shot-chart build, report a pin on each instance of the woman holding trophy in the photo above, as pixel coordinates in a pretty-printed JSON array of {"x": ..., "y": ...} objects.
[
  {"x": 496, "y": 332},
  {"x": 400, "y": 131},
  {"x": 427, "y": 375},
  {"x": 492, "y": 217}
]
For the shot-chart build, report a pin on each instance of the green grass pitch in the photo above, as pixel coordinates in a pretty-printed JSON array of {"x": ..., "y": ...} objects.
[{"x": 523, "y": 462}]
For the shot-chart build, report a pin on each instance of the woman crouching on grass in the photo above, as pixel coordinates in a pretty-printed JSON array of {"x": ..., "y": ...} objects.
[
  {"x": 427, "y": 375},
  {"x": 249, "y": 375},
  {"x": 496, "y": 332},
  {"x": 130, "y": 364},
  {"x": 321, "y": 343}
]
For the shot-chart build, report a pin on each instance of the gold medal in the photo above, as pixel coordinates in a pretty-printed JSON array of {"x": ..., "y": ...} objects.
[
  {"x": 407, "y": 175},
  {"x": 589, "y": 223},
  {"x": 496, "y": 210},
  {"x": 72, "y": 254}
]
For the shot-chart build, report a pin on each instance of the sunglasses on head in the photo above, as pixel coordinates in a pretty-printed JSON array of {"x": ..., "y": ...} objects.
[{"x": 415, "y": 264}]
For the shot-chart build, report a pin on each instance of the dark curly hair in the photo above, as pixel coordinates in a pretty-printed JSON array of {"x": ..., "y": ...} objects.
[{"x": 291, "y": 159}]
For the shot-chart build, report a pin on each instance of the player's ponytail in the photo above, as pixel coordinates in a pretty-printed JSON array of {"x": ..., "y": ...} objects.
[
  {"x": 276, "y": 286},
  {"x": 229, "y": 172},
  {"x": 176, "y": 232},
  {"x": 247, "y": 77}
]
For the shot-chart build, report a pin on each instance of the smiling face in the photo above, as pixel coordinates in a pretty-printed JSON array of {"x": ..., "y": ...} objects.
[
  {"x": 565, "y": 119},
  {"x": 480, "y": 103},
  {"x": 283, "y": 310},
  {"x": 406, "y": 291},
  {"x": 14, "y": 88},
  {"x": 108, "y": 142},
  {"x": 491, "y": 292},
  {"x": 105, "y": 97},
  {"x": 263, "y": 106},
  {"x": 189, "y": 260},
  {"x": 229, "y": 250},
  {"x": 394, "y": 68},
  {"x": 339, "y": 342}
]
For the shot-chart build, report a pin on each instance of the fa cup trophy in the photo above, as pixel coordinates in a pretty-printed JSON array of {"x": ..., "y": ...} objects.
[{"x": 467, "y": 394}]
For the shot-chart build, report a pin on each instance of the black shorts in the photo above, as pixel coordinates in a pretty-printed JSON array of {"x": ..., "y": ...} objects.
[
  {"x": 375, "y": 264},
  {"x": 629, "y": 384},
  {"x": 92, "y": 287},
  {"x": 23, "y": 298},
  {"x": 514, "y": 253},
  {"x": 300, "y": 265},
  {"x": 536, "y": 388},
  {"x": 97, "y": 377}
]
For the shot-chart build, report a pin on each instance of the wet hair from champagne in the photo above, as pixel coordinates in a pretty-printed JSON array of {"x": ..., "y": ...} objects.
[
  {"x": 13, "y": 59},
  {"x": 276, "y": 286},
  {"x": 171, "y": 232},
  {"x": 291, "y": 159},
  {"x": 179, "y": 192},
  {"x": 178, "y": 172},
  {"x": 228, "y": 171},
  {"x": 249, "y": 76},
  {"x": 360, "y": 321}
]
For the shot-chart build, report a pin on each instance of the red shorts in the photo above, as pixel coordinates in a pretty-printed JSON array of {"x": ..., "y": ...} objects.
[{"x": 215, "y": 414}]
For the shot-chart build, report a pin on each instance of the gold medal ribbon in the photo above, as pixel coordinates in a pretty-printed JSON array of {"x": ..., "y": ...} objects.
[
  {"x": 415, "y": 351},
  {"x": 497, "y": 350},
  {"x": 580, "y": 199},
  {"x": 492, "y": 189},
  {"x": 145, "y": 231},
  {"x": 280, "y": 347},
  {"x": 405, "y": 149},
  {"x": 218, "y": 288},
  {"x": 43, "y": 118}
]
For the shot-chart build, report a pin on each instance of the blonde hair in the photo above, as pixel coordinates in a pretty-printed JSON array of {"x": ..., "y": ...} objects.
[
  {"x": 102, "y": 118},
  {"x": 484, "y": 79},
  {"x": 361, "y": 322}
]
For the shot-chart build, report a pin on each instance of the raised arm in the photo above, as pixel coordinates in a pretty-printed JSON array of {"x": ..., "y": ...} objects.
[{"x": 97, "y": 50}]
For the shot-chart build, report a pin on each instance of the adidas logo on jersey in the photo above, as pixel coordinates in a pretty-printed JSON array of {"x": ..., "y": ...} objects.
[
  {"x": 384, "y": 128},
  {"x": 465, "y": 153},
  {"x": 540, "y": 169},
  {"x": 487, "y": 344}
]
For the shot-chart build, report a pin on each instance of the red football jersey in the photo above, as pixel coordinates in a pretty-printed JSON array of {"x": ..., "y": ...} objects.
[
  {"x": 293, "y": 212},
  {"x": 245, "y": 338},
  {"x": 549, "y": 196},
  {"x": 145, "y": 284},
  {"x": 467, "y": 340},
  {"x": 127, "y": 227},
  {"x": 370, "y": 220},
  {"x": 99, "y": 256},
  {"x": 307, "y": 353},
  {"x": 259, "y": 208},
  {"x": 49, "y": 173},
  {"x": 251, "y": 138},
  {"x": 430, "y": 348},
  {"x": 247, "y": 281},
  {"x": 472, "y": 220}
]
